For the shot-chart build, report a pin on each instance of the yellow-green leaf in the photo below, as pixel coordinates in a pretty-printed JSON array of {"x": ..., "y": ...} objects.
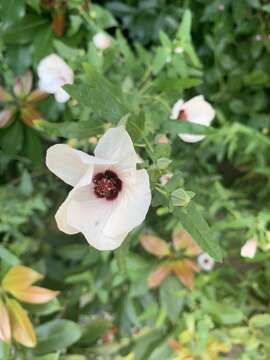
[
  {"x": 21, "y": 326},
  {"x": 35, "y": 295},
  {"x": 19, "y": 278},
  {"x": 5, "y": 330}
]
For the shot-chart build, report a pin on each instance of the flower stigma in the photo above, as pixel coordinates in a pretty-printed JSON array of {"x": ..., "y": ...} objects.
[
  {"x": 182, "y": 115},
  {"x": 107, "y": 185}
]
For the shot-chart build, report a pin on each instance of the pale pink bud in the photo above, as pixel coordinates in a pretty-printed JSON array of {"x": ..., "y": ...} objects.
[
  {"x": 162, "y": 139},
  {"x": 164, "y": 179}
]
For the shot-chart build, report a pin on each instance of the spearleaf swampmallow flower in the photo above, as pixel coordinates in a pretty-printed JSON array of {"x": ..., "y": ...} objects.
[
  {"x": 53, "y": 73},
  {"x": 110, "y": 197},
  {"x": 197, "y": 111}
]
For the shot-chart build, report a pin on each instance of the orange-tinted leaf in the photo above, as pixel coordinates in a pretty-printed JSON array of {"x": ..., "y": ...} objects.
[
  {"x": 157, "y": 276},
  {"x": 173, "y": 344},
  {"x": 37, "y": 95},
  {"x": 5, "y": 117},
  {"x": 35, "y": 295},
  {"x": 4, "y": 95},
  {"x": 185, "y": 270},
  {"x": 154, "y": 245},
  {"x": 5, "y": 330},
  {"x": 58, "y": 24},
  {"x": 19, "y": 278},
  {"x": 29, "y": 114},
  {"x": 182, "y": 240},
  {"x": 21, "y": 326},
  {"x": 23, "y": 85}
]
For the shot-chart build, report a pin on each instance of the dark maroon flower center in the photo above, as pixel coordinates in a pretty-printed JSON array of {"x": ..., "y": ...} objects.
[
  {"x": 182, "y": 115},
  {"x": 107, "y": 185}
]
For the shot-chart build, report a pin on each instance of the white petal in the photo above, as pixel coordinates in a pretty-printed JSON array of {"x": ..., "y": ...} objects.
[
  {"x": 53, "y": 73},
  {"x": 67, "y": 163},
  {"x": 89, "y": 215},
  {"x": 249, "y": 248},
  {"x": 61, "y": 217},
  {"x": 132, "y": 206},
  {"x": 102, "y": 41},
  {"x": 49, "y": 85},
  {"x": 199, "y": 111},
  {"x": 61, "y": 96},
  {"x": 116, "y": 145},
  {"x": 176, "y": 108},
  {"x": 191, "y": 138}
]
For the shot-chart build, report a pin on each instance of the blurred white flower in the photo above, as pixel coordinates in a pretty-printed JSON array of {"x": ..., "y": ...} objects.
[
  {"x": 206, "y": 262},
  {"x": 53, "y": 73},
  {"x": 102, "y": 41},
  {"x": 109, "y": 196},
  {"x": 164, "y": 179},
  {"x": 249, "y": 248},
  {"x": 179, "y": 50},
  {"x": 221, "y": 7},
  {"x": 258, "y": 37},
  {"x": 197, "y": 111}
]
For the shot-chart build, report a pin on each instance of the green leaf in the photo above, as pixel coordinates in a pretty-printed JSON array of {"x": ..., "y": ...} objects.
[
  {"x": 66, "y": 51},
  {"x": 260, "y": 320},
  {"x": 103, "y": 17},
  {"x": 11, "y": 138},
  {"x": 224, "y": 313},
  {"x": 44, "y": 309},
  {"x": 94, "y": 331},
  {"x": 8, "y": 257},
  {"x": 73, "y": 357},
  {"x": 198, "y": 228},
  {"x": 80, "y": 130},
  {"x": 19, "y": 58},
  {"x": 184, "y": 36},
  {"x": 146, "y": 344},
  {"x": 47, "y": 357},
  {"x": 184, "y": 32},
  {"x": 160, "y": 59},
  {"x": 11, "y": 10},
  {"x": 103, "y": 97},
  {"x": 24, "y": 30},
  {"x": 165, "y": 40},
  {"x": 266, "y": 8},
  {"x": 171, "y": 299},
  {"x": 4, "y": 351},
  {"x": 175, "y": 127},
  {"x": 125, "y": 49},
  {"x": 121, "y": 255},
  {"x": 57, "y": 335},
  {"x": 33, "y": 146},
  {"x": 43, "y": 43},
  {"x": 135, "y": 125}
]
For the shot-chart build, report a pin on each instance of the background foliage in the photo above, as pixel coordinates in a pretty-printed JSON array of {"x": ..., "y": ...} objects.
[{"x": 107, "y": 309}]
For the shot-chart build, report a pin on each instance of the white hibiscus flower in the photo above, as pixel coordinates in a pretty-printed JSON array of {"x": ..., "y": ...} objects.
[
  {"x": 109, "y": 196},
  {"x": 53, "y": 73},
  {"x": 102, "y": 41},
  {"x": 197, "y": 111},
  {"x": 249, "y": 248}
]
